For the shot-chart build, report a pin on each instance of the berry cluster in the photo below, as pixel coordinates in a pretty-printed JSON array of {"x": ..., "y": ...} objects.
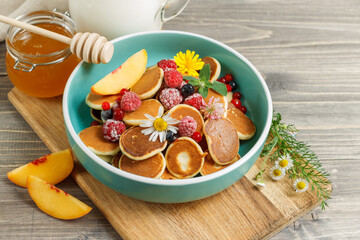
[
  {"x": 112, "y": 117},
  {"x": 174, "y": 90},
  {"x": 231, "y": 86}
]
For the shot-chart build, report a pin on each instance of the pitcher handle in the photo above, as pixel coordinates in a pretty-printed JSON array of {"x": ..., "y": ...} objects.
[{"x": 172, "y": 8}]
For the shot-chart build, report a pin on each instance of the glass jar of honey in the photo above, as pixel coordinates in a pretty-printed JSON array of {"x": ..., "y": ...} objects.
[{"x": 37, "y": 65}]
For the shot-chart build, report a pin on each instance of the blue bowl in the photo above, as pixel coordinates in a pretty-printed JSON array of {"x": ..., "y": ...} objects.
[{"x": 160, "y": 45}]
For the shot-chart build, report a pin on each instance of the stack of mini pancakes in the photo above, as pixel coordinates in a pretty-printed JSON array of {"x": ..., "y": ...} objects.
[{"x": 183, "y": 158}]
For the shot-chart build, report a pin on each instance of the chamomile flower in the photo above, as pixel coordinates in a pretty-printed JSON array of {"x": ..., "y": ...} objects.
[
  {"x": 301, "y": 185},
  {"x": 277, "y": 173},
  {"x": 261, "y": 184},
  {"x": 158, "y": 126},
  {"x": 213, "y": 109},
  {"x": 188, "y": 63},
  {"x": 285, "y": 162}
]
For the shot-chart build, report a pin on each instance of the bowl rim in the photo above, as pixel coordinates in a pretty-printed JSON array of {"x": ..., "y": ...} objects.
[{"x": 172, "y": 182}]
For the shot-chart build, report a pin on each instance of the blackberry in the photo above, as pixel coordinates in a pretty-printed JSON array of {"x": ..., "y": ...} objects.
[
  {"x": 106, "y": 114},
  {"x": 187, "y": 90},
  {"x": 233, "y": 85},
  {"x": 170, "y": 136}
]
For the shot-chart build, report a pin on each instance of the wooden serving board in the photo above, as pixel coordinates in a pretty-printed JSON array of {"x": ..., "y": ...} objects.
[{"x": 242, "y": 211}]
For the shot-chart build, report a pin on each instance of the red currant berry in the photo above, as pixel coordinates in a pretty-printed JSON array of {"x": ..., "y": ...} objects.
[
  {"x": 118, "y": 114},
  {"x": 243, "y": 109},
  {"x": 105, "y": 106},
  {"x": 118, "y": 99},
  {"x": 196, "y": 136},
  {"x": 222, "y": 80},
  {"x": 228, "y": 77},
  {"x": 237, "y": 95},
  {"x": 123, "y": 91},
  {"x": 228, "y": 88},
  {"x": 94, "y": 123},
  {"x": 236, "y": 102}
]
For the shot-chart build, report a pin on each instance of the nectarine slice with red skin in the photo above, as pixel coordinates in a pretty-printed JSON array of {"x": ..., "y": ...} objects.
[
  {"x": 52, "y": 168},
  {"x": 55, "y": 201},
  {"x": 124, "y": 76}
]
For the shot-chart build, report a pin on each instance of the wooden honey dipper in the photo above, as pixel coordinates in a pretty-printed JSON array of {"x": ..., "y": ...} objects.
[{"x": 91, "y": 47}]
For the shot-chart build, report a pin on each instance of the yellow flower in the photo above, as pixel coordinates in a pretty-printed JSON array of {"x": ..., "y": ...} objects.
[
  {"x": 285, "y": 162},
  {"x": 277, "y": 173},
  {"x": 301, "y": 185},
  {"x": 188, "y": 63}
]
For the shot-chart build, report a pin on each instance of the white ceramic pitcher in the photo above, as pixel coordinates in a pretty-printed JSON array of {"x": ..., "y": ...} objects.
[{"x": 115, "y": 18}]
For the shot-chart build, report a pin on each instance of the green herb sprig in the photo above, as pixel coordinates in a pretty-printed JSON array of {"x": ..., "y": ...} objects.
[
  {"x": 203, "y": 82},
  {"x": 306, "y": 164}
]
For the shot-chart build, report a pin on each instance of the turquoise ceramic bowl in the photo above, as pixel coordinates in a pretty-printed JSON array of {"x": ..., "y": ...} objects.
[{"x": 160, "y": 45}]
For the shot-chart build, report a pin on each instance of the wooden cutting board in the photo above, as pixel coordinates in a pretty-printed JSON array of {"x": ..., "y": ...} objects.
[{"x": 242, "y": 211}]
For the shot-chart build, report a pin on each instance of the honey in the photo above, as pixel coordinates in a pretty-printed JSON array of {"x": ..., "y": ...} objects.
[{"x": 37, "y": 65}]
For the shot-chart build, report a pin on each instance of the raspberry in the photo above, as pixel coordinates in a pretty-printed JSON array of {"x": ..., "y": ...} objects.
[
  {"x": 113, "y": 129},
  {"x": 195, "y": 100},
  {"x": 173, "y": 78},
  {"x": 130, "y": 102},
  {"x": 187, "y": 126},
  {"x": 167, "y": 64},
  {"x": 170, "y": 97}
]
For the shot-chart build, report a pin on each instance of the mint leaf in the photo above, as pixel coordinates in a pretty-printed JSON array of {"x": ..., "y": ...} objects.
[
  {"x": 209, "y": 84},
  {"x": 190, "y": 78},
  {"x": 195, "y": 82},
  {"x": 203, "y": 91},
  {"x": 205, "y": 72},
  {"x": 220, "y": 88}
]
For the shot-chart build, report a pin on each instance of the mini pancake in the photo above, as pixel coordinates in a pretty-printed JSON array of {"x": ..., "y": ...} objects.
[
  {"x": 182, "y": 110},
  {"x": 222, "y": 139},
  {"x": 152, "y": 167},
  {"x": 167, "y": 175},
  {"x": 94, "y": 101},
  {"x": 222, "y": 99},
  {"x": 244, "y": 126},
  {"x": 149, "y": 83},
  {"x": 210, "y": 166},
  {"x": 134, "y": 144},
  {"x": 106, "y": 158},
  {"x": 150, "y": 106},
  {"x": 215, "y": 67},
  {"x": 115, "y": 160},
  {"x": 93, "y": 138},
  {"x": 96, "y": 115},
  {"x": 184, "y": 158}
]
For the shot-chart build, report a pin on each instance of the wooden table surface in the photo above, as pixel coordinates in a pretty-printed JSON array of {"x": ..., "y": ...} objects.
[{"x": 309, "y": 52}]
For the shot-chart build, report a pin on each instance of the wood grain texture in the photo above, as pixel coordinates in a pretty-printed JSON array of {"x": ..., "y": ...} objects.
[
  {"x": 310, "y": 53},
  {"x": 253, "y": 214}
]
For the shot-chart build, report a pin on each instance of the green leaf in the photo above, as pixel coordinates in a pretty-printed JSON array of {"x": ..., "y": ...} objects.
[
  {"x": 195, "y": 82},
  {"x": 205, "y": 72},
  {"x": 220, "y": 88},
  {"x": 203, "y": 91},
  {"x": 190, "y": 78},
  {"x": 209, "y": 84}
]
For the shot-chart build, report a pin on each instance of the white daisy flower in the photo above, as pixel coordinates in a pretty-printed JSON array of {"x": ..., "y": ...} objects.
[
  {"x": 158, "y": 126},
  {"x": 261, "y": 184},
  {"x": 285, "y": 162},
  {"x": 301, "y": 185},
  {"x": 277, "y": 172}
]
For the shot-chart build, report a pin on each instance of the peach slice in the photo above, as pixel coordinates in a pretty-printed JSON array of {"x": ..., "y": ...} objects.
[
  {"x": 124, "y": 76},
  {"x": 53, "y": 168},
  {"x": 55, "y": 201}
]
